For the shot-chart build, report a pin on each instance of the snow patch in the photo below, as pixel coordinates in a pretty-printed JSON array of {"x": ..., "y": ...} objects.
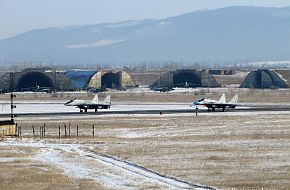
[
  {"x": 163, "y": 23},
  {"x": 122, "y": 24},
  {"x": 100, "y": 43},
  {"x": 78, "y": 162},
  {"x": 267, "y": 63},
  {"x": 281, "y": 77}
]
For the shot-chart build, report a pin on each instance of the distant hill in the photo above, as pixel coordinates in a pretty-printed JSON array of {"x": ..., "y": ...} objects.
[{"x": 223, "y": 35}]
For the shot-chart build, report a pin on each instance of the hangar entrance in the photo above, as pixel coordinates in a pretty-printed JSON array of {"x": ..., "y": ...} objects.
[
  {"x": 110, "y": 80},
  {"x": 34, "y": 81},
  {"x": 264, "y": 79},
  {"x": 186, "y": 79}
]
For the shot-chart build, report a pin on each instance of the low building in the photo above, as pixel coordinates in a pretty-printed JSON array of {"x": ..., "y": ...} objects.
[
  {"x": 7, "y": 128},
  {"x": 221, "y": 72}
]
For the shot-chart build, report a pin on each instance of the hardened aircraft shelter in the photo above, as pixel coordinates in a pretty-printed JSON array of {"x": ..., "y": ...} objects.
[
  {"x": 186, "y": 78},
  {"x": 47, "y": 79},
  {"x": 265, "y": 79}
]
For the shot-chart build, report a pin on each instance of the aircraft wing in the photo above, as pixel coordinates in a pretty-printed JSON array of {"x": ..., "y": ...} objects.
[
  {"x": 219, "y": 105},
  {"x": 93, "y": 106}
]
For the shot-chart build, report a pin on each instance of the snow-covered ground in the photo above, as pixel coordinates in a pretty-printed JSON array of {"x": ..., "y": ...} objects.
[{"x": 77, "y": 161}]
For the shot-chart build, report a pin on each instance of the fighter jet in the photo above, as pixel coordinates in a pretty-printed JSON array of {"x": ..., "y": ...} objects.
[
  {"x": 213, "y": 104},
  {"x": 94, "y": 104}
]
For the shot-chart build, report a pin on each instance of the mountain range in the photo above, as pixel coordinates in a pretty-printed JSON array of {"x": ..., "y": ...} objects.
[{"x": 211, "y": 36}]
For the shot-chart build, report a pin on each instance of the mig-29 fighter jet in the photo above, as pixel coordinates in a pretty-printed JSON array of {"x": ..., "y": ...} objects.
[
  {"x": 94, "y": 104},
  {"x": 221, "y": 104}
]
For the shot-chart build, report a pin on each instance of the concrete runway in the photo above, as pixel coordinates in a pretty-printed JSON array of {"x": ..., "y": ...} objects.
[{"x": 146, "y": 111}]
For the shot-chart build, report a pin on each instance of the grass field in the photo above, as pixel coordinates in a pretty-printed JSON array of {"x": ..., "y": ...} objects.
[{"x": 221, "y": 150}]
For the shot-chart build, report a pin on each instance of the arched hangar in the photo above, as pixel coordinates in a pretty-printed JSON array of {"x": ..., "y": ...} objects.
[
  {"x": 47, "y": 80},
  {"x": 264, "y": 79},
  {"x": 117, "y": 80},
  {"x": 185, "y": 78},
  {"x": 100, "y": 80},
  {"x": 84, "y": 79},
  {"x": 35, "y": 80}
]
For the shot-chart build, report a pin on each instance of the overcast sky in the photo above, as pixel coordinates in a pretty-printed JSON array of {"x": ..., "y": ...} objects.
[{"x": 17, "y": 16}]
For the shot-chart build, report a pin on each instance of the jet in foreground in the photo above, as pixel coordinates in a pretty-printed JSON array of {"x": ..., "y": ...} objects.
[
  {"x": 213, "y": 104},
  {"x": 94, "y": 104}
]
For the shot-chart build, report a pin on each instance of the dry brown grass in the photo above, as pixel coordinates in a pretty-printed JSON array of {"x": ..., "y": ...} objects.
[
  {"x": 245, "y": 96},
  {"x": 222, "y": 150},
  {"x": 20, "y": 172}
]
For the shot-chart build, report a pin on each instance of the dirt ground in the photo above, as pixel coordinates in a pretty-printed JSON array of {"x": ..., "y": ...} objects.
[{"x": 221, "y": 150}]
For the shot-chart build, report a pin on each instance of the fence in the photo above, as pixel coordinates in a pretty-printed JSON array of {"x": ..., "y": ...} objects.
[{"x": 62, "y": 131}]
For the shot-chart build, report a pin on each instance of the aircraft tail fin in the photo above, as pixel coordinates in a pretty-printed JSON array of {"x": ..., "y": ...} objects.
[
  {"x": 107, "y": 100},
  {"x": 235, "y": 99},
  {"x": 95, "y": 100},
  {"x": 223, "y": 99}
]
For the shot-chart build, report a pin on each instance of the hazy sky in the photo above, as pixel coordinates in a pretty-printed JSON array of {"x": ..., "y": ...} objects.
[{"x": 17, "y": 16}]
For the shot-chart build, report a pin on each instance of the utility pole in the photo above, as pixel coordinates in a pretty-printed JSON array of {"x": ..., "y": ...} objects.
[{"x": 12, "y": 96}]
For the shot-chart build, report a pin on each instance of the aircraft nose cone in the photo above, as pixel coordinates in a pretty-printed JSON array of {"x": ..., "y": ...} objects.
[{"x": 67, "y": 103}]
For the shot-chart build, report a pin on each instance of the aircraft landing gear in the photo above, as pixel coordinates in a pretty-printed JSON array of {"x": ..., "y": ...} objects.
[
  {"x": 86, "y": 110},
  {"x": 224, "y": 109},
  {"x": 211, "y": 109},
  {"x": 96, "y": 110},
  {"x": 81, "y": 110}
]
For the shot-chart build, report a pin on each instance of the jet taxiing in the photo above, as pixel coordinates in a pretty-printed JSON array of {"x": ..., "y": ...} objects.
[
  {"x": 213, "y": 104},
  {"x": 94, "y": 104}
]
